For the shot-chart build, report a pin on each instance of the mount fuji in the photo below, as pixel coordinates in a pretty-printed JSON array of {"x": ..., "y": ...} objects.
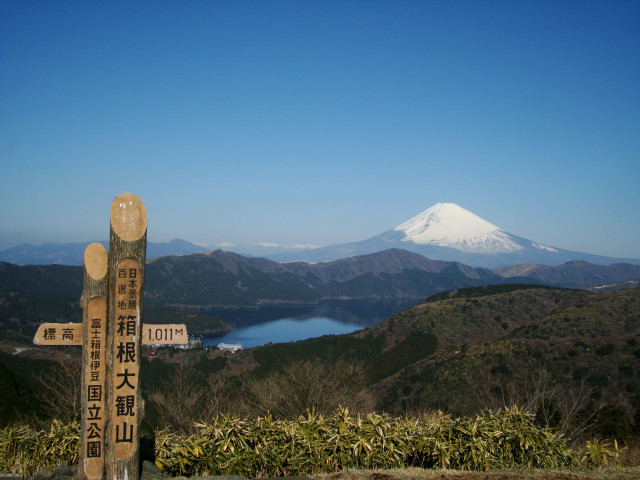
[{"x": 447, "y": 231}]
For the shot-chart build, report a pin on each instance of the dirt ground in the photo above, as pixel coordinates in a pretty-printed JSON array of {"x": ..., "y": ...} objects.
[{"x": 629, "y": 473}]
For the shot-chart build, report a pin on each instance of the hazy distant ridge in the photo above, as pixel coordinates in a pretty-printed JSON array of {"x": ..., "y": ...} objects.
[
  {"x": 446, "y": 231},
  {"x": 73, "y": 253},
  {"x": 32, "y": 294},
  {"x": 443, "y": 232}
]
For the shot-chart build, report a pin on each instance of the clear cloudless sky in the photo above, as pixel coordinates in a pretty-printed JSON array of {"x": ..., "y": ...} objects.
[{"x": 320, "y": 122}]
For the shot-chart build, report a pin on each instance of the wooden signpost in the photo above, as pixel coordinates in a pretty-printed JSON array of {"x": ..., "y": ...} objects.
[
  {"x": 71, "y": 334},
  {"x": 94, "y": 330},
  {"x": 111, "y": 335},
  {"x": 127, "y": 255}
]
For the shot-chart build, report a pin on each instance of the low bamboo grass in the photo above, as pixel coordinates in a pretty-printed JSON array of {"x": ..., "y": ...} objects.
[
  {"x": 314, "y": 444},
  {"x": 23, "y": 450}
]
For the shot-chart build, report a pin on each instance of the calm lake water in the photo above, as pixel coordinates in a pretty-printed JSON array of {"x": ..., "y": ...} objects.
[
  {"x": 283, "y": 330},
  {"x": 253, "y": 328}
]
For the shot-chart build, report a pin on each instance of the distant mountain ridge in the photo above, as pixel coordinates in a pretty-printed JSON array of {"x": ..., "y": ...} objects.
[
  {"x": 73, "y": 253},
  {"x": 226, "y": 278},
  {"x": 573, "y": 274},
  {"x": 31, "y": 294},
  {"x": 445, "y": 232},
  {"x": 448, "y": 232},
  {"x": 221, "y": 278}
]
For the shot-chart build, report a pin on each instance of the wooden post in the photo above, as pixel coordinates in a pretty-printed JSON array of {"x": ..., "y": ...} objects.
[
  {"x": 127, "y": 255},
  {"x": 111, "y": 336},
  {"x": 94, "y": 333}
]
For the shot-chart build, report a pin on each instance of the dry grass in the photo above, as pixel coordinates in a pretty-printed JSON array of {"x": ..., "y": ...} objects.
[
  {"x": 630, "y": 455},
  {"x": 627, "y": 473}
]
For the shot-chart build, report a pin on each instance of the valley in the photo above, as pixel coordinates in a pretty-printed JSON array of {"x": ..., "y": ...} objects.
[
  {"x": 570, "y": 356},
  {"x": 440, "y": 335},
  {"x": 198, "y": 285}
]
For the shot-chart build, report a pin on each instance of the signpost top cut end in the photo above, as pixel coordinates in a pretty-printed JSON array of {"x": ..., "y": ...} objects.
[
  {"x": 96, "y": 260},
  {"x": 128, "y": 217}
]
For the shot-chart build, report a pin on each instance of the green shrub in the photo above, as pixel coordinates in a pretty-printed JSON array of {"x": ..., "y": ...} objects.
[
  {"x": 24, "y": 450},
  {"x": 596, "y": 454},
  {"x": 312, "y": 444}
]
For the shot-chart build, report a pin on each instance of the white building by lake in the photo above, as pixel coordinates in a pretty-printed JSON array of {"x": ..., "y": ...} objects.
[{"x": 230, "y": 347}]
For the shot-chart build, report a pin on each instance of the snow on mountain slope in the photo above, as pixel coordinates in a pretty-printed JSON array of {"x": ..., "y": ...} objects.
[
  {"x": 449, "y": 225},
  {"x": 448, "y": 232}
]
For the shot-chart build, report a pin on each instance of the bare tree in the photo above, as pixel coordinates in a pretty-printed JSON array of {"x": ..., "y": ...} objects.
[
  {"x": 178, "y": 397},
  {"x": 305, "y": 385},
  {"x": 567, "y": 407},
  {"x": 186, "y": 398},
  {"x": 61, "y": 388}
]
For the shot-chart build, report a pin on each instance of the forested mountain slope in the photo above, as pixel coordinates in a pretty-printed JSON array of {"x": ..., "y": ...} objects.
[{"x": 492, "y": 346}]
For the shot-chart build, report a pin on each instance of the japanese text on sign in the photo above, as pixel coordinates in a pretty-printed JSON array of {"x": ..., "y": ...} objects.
[
  {"x": 94, "y": 381},
  {"x": 126, "y": 344}
]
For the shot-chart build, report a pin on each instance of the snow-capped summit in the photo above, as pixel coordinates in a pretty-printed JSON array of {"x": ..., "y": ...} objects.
[
  {"x": 449, "y": 225},
  {"x": 448, "y": 232}
]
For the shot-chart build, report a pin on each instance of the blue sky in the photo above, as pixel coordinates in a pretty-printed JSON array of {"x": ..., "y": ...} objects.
[{"x": 321, "y": 122}]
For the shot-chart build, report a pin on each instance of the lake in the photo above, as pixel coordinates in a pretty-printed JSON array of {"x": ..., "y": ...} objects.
[{"x": 270, "y": 324}]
